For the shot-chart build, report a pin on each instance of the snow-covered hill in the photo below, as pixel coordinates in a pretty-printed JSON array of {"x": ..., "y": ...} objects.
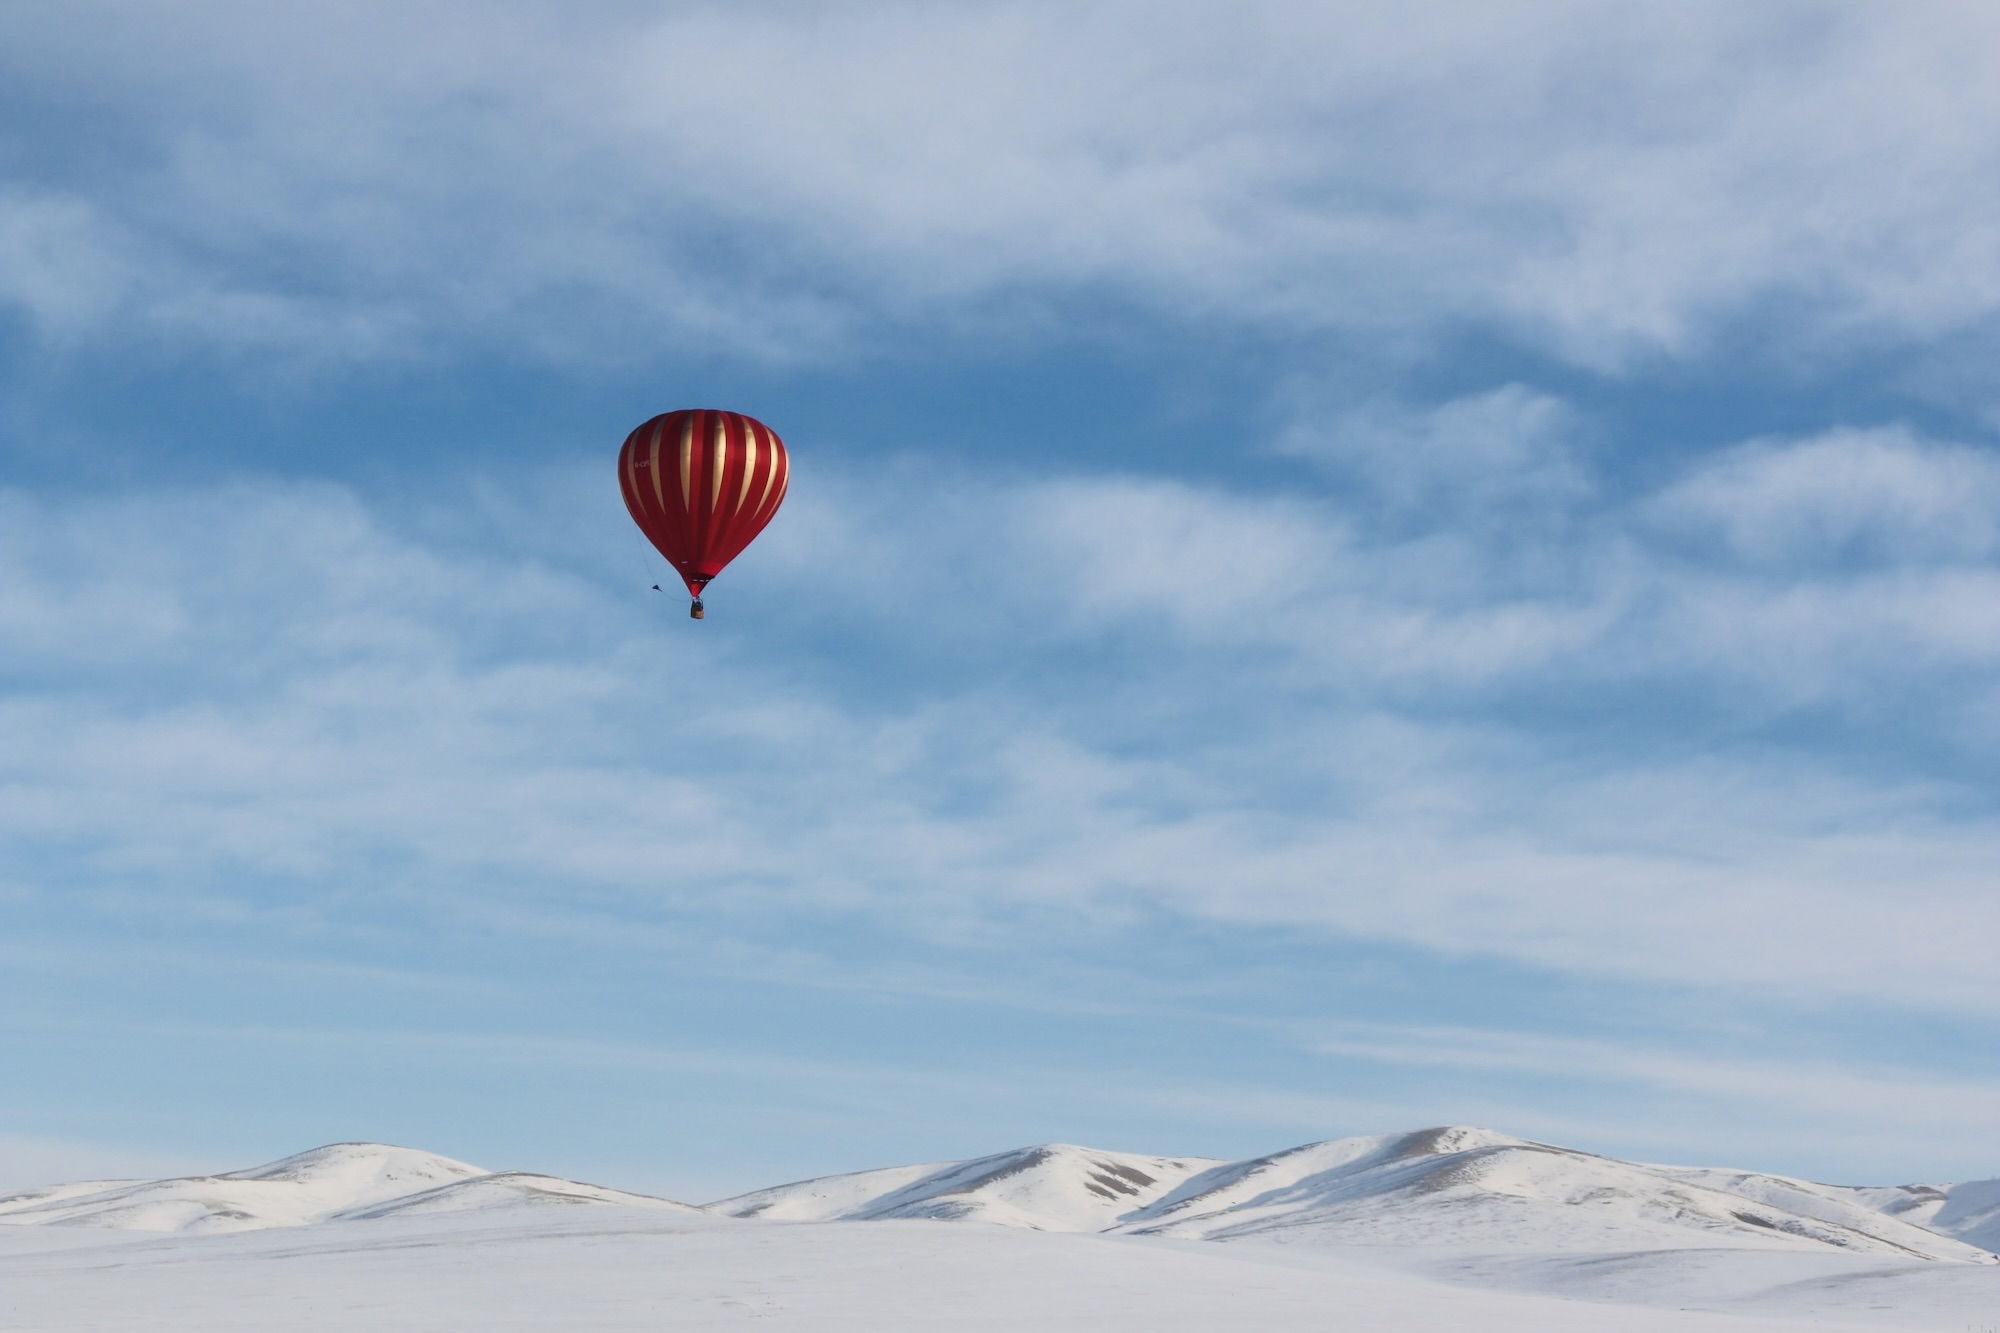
[
  {"x": 1440, "y": 1229},
  {"x": 507, "y": 1190},
  {"x": 1970, "y": 1211},
  {"x": 1054, "y": 1187},
  {"x": 1451, "y": 1186},
  {"x": 343, "y": 1181},
  {"x": 1472, "y": 1189},
  {"x": 1460, "y": 1186}
]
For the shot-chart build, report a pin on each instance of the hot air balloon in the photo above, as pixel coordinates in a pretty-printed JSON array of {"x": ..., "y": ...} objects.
[{"x": 701, "y": 484}]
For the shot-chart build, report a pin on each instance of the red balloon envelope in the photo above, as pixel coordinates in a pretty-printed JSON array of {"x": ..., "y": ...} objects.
[{"x": 701, "y": 484}]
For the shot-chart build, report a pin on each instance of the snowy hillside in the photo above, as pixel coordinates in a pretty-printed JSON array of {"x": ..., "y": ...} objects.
[
  {"x": 1436, "y": 1187},
  {"x": 1452, "y": 1187},
  {"x": 1460, "y": 1186},
  {"x": 341, "y": 1181},
  {"x": 1055, "y": 1187},
  {"x": 506, "y": 1190},
  {"x": 1423, "y": 1232},
  {"x": 1970, "y": 1211}
]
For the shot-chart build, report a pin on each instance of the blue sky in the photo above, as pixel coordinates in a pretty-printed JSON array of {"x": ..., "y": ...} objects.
[{"x": 1347, "y": 569}]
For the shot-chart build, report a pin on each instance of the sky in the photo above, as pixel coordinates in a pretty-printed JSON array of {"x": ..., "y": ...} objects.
[{"x": 1348, "y": 568}]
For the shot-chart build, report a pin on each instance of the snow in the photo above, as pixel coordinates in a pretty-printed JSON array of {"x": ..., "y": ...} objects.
[
  {"x": 1437, "y": 1229},
  {"x": 612, "y": 1268},
  {"x": 1456, "y": 1185},
  {"x": 294, "y": 1191},
  {"x": 1052, "y": 1187},
  {"x": 507, "y": 1190},
  {"x": 1970, "y": 1211}
]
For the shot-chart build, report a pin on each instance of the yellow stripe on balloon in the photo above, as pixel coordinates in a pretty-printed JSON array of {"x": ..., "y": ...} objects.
[
  {"x": 659, "y": 493},
  {"x": 715, "y": 476},
  {"x": 687, "y": 463},
  {"x": 749, "y": 463},
  {"x": 771, "y": 474}
]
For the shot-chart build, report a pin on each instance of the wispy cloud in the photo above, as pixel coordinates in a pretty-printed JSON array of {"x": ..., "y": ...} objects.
[
  {"x": 1605, "y": 182},
  {"x": 1454, "y": 502},
  {"x": 310, "y": 696},
  {"x": 1507, "y": 449},
  {"x": 1872, "y": 498}
]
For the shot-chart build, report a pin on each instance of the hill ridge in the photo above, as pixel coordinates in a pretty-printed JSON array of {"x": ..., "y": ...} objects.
[
  {"x": 1455, "y": 1185},
  {"x": 1448, "y": 1184}
]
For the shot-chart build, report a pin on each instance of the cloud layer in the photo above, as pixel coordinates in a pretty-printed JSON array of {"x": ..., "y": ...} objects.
[
  {"x": 1647, "y": 741},
  {"x": 1461, "y": 509},
  {"x": 1605, "y": 182}
]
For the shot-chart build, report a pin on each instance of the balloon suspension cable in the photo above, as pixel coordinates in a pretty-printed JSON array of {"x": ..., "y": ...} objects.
[{"x": 647, "y": 555}]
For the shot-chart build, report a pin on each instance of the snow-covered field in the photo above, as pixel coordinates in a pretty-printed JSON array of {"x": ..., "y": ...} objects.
[{"x": 1438, "y": 1229}]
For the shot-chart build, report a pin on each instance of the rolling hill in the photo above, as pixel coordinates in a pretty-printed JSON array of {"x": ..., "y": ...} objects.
[
  {"x": 343, "y": 1181},
  {"x": 1448, "y": 1186}
]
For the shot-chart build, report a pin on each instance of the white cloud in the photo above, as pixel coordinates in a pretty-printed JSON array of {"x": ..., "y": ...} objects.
[
  {"x": 1611, "y": 181},
  {"x": 320, "y": 700},
  {"x": 1827, "y": 568},
  {"x": 1446, "y": 464},
  {"x": 60, "y": 263},
  {"x": 1857, "y": 1112},
  {"x": 1848, "y": 1121},
  {"x": 1883, "y": 496},
  {"x": 1793, "y": 1087}
]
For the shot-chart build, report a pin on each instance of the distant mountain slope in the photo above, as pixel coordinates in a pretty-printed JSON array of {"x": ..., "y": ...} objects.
[
  {"x": 344, "y": 1181},
  {"x": 1473, "y": 1189},
  {"x": 1968, "y": 1211},
  {"x": 1449, "y": 1186},
  {"x": 1971, "y": 1212},
  {"x": 506, "y": 1190},
  {"x": 1054, "y": 1187},
  {"x": 291, "y": 1192},
  {"x": 1459, "y": 1186}
]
